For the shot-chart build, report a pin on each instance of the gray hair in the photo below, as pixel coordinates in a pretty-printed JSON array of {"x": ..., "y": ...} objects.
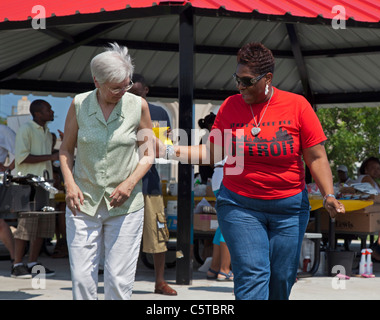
[{"x": 112, "y": 65}]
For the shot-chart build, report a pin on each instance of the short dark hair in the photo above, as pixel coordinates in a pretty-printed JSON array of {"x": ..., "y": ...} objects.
[
  {"x": 37, "y": 105},
  {"x": 257, "y": 57},
  {"x": 139, "y": 78},
  {"x": 366, "y": 162}
]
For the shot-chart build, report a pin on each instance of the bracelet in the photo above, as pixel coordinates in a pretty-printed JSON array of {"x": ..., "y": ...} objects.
[
  {"x": 169, "y": 152},
  {"x": 326, "y": 196}
]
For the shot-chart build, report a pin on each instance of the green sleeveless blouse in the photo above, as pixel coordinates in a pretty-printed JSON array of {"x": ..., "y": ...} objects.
[{"x": 107, "y": 151}]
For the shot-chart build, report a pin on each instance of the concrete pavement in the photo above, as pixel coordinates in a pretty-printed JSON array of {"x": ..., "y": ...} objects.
[{"x": 58, "y": 287}]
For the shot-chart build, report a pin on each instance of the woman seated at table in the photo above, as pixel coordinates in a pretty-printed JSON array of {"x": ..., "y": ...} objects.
[{"x": 370, "y": 172}]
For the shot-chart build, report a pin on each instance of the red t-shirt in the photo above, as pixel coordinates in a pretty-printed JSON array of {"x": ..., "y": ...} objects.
[{"x": 270, "y": 164}]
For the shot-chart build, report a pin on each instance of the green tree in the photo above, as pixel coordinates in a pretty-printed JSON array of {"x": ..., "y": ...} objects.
[{"x": 353, "y": 135}]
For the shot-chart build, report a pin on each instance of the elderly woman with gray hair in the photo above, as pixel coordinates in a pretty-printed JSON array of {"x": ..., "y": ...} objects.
[{"x": 105, "y": 204}]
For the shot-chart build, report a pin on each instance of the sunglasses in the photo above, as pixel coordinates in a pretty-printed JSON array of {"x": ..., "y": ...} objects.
[{"x": 247, "y": 81}]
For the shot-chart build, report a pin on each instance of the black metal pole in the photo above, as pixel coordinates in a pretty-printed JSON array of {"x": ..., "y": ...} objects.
[
  {"x": 332, "y": 240},
  {"x": 185, "y": 171}
]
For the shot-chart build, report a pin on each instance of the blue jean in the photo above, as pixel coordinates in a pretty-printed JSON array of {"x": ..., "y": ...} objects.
[
  {"x": 218, "y": 237},
  {"x": 264, "y": 238}
]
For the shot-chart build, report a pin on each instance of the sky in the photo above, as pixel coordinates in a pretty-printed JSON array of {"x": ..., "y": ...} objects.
[{"x": 59, "y": 105}]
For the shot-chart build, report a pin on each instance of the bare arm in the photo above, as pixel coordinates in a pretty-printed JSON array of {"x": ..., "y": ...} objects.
[
  {"x": 316, "y": 159},
  {"x": 369, "y": 180},
  {"x": 203, "y": 154},
  {"x": 147, "y": 142},
  {"x": 41, "y": 158},
  {"x": 74, "y": 196}
]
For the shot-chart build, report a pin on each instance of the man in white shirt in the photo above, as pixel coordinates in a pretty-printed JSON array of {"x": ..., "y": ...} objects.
[{"x": 33, "y": 153}]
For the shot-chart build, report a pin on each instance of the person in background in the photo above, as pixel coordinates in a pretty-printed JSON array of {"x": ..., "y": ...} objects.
[
  {"x": 7, "y": 149},
  {"x": 206, "y": 123},
  {"x": 369, "y": 172},
  {"x": 155, "y": 232},
  {"x": 34, "y": 156},
  {"x": 206, "y": 173},
  {"x": 60, "y": 249},
  {"x": 220, "y": 268},
  {"x": 262, "y": 205},
  {"x": 343, "y": 176},
  {"x": 112, "y": 132}
]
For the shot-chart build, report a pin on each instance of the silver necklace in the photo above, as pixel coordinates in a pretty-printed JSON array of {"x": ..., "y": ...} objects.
[{"x": 256, "y": 130}]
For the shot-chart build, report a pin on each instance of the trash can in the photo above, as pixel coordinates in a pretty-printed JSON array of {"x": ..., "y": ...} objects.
[{"x": 340, "y": 262}]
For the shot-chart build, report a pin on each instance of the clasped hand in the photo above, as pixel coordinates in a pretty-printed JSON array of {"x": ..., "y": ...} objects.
[{"x": 74, "y": 196}]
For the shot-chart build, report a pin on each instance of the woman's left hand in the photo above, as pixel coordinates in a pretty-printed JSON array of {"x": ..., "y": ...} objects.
[
  {"x": 334, "y": 206},
  {"x": 121, "y": 193}
]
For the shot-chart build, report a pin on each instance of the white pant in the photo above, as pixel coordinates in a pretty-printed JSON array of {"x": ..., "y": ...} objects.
[{"x": 120, "y": 236}]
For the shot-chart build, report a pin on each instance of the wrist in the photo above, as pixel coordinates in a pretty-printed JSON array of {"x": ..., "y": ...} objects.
[
  {"x": 327, "y": 196},
  {"x": 170, "y": 153}
]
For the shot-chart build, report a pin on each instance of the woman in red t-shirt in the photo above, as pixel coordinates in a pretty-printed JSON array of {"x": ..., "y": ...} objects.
[{"x": 263, "y": 207}]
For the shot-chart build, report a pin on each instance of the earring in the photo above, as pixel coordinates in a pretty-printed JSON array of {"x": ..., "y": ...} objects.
[{"x": 266, "y": 89}]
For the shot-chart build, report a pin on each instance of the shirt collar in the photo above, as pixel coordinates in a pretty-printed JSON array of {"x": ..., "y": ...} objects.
[
  {"x": 95, "y": 107},
  {"x": 36, "y": 125}
]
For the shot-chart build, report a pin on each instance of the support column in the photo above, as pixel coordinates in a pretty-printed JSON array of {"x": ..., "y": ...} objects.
[
  {"x": 302, "y": 69},
  {"x": 185, "y": 171}
]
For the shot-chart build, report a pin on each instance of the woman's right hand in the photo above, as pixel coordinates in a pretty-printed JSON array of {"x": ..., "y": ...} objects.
[
  {"x": 334, "y": 207},
  {"x": 74, "y": 198}
]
